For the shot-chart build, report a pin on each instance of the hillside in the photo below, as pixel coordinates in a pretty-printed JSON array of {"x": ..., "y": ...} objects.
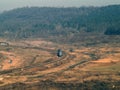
[
  {"x": 60, "y": 48},
  {"x": 58, "y": 22}
]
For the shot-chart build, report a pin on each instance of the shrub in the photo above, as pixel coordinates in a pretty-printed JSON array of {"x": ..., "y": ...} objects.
[{"x": 112, "y": 31}]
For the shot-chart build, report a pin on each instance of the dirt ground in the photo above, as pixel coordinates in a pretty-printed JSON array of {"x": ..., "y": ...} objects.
[{"x": 36, "y": 60}]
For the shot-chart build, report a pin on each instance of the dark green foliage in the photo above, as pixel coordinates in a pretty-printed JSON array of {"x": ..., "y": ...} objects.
[
  {"x": 45, "y": 22},
  {"x": 112, "y": 31},
  {"x": 49, "y": 85},
  {"x": 100, "y": 86}
]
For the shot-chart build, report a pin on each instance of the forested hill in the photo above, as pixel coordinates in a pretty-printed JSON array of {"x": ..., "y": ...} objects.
[{"x": 45, "y": 22}]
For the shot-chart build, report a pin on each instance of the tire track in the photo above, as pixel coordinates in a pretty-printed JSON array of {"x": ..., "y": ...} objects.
[{"x": 49, "y": 61}]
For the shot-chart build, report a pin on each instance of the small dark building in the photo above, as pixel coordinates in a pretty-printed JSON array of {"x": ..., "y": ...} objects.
[{"x": 59, "y": 53}]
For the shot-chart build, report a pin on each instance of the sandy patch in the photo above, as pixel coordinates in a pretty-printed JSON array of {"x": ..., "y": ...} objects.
[
  {"x": 11, "y": 60},
  {"x": 106, "y": 60}
]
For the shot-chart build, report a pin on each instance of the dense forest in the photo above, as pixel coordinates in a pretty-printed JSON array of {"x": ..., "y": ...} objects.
[{"x": 59, "y": 22}]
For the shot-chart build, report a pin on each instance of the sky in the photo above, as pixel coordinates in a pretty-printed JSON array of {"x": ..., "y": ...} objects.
[{"x": 11, "y": 4}]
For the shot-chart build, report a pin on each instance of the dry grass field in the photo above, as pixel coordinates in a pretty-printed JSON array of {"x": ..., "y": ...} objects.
[{"x": 34, "y": 61}]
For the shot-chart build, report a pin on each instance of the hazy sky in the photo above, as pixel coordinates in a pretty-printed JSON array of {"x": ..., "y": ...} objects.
[{"x": 10, "y": 4}]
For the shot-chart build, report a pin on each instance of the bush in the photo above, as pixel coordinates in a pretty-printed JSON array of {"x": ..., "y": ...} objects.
[{"x": 112, "y": 31}]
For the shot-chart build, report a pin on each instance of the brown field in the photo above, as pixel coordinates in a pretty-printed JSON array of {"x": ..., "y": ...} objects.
[{"x": 33, "y": 61}]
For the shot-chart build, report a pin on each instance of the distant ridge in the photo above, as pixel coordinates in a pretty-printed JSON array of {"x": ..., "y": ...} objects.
[{"x": 49, "y": 21}]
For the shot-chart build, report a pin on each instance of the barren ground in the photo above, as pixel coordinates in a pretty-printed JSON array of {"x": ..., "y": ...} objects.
[{"x": 32, "y": 61}]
